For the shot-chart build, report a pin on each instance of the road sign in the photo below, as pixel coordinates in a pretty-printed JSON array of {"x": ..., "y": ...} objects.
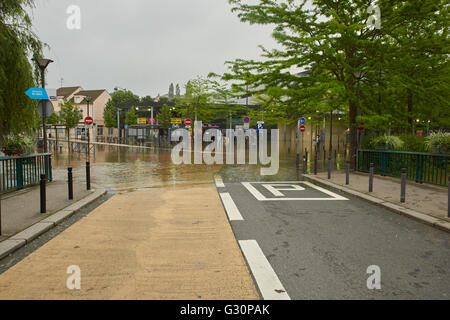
[
  {"x": 37, "y": 93},
  {"x": 52, "y": 95},
  {"x": 45, "y": 105},
  {"x": 88, "y": 121},
  {"x": 125, "y": 126},
  {"x": 246, "y": 120},
  {"x": 176, "y": 121},
  {"x": 260, "y": 125},
  {"x": 188, "y": 122},
  {"x": 302, "y": 128},
  {"x": 246, "y": 126},
  {"x": 302, "y": 121},
  {"x": 361, "y": 126},
  {"x": 142, "y": 120}
]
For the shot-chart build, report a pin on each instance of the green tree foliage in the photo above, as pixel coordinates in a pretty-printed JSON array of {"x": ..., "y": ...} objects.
[
  {"x": 131, "y": 117},
  {"x": 118, "y": 98},
  {"x": 17, "y": 43},
  {"x": 334, "y": 41},
  {"x": 171, "y": 91},
  {"x": 177, "y": 91},
  {"x": 69, "y": 116},
  {"x": 165, "y": 117},
  {"x": 54, "y": 119}
]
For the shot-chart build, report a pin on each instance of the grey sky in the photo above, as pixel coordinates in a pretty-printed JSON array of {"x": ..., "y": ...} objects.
[{"x": 143, "y": 45}]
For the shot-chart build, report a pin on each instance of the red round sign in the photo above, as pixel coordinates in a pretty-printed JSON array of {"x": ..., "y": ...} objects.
[
  {"x": 187, "y": 122},
  {"x": 88, "y": 121},
  {"x": 302, "y": 128},
  {"x": 361, "y": 126}
]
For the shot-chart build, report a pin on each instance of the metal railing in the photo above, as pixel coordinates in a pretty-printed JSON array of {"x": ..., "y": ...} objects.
[
  {"x": 19, "y": 172},
  {"x": 420, "y": 167}
]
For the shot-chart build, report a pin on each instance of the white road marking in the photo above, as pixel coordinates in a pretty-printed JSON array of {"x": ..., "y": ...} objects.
[
  {"x": 259, "y": 196},
  {"x": 230, "y": 207},
  {"x": 276, "y": 191},
  {"x": 219, "y": 182},
  {"x": 267, "y": 280}
]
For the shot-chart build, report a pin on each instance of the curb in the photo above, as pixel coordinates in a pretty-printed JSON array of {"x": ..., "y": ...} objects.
[
  {"x": 20, "y": 239},
  {"x": 422, "y": 217}
]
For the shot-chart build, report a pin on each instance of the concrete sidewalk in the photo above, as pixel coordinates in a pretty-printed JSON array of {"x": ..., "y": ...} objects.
[
  {"x": 165, "y": 243},
  {"x": 427, "y": 199},
  {"x": 21, "y": 209}
]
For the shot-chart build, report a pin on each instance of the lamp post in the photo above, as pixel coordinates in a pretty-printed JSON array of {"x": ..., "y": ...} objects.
[
  {"x": 358, "y": 75},
  {"x": 43, "y": 64},
  {"x": 119, "y": 132},
  {"x": 88, "y": 100}
]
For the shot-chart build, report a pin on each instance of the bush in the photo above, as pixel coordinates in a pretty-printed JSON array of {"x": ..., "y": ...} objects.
[
  {"x": 16, "y": 145},
  {"x": 438, "y": 142},
  {"x": 413, "y": 143},
  {"x": 386, "y": 142}
]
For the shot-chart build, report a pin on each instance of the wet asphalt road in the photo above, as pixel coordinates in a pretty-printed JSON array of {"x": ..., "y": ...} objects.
[{"x": 321, "y": 249}]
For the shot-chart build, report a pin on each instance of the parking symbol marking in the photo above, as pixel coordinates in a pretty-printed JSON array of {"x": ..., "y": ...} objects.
[{"x": 274, "y": 188}]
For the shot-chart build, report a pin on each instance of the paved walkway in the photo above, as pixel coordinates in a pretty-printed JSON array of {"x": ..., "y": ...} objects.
[
  {"x": 428, "y": 199},
  {"x": 162, "y": 243},
  {"x": 21, "y": 209}
]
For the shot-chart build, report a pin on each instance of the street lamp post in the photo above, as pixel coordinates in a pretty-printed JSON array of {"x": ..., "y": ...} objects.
[
  {"x": 43, "y": 64},
  {"x": 88, "y": 99},
  {"x": 358, "y": 75}
]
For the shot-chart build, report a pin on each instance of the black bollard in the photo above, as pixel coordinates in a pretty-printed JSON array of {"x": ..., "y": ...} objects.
[
  {"x": 70, "y": 182},
  {"x": 403, "y": 186},
  {"x": 304, "y": 165},
  {"x": 297, "y": 161},
  {"x": 43, "y": 195},
  {"x": 315, "y": 163},
  {"x": 347, "y": 173},
  {"x": 329, "y": 168},
  {"x": 371, "y": 178},
  {"x": 88, "y": 175}
]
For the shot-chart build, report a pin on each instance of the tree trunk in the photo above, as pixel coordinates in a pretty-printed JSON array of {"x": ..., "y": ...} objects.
[{"x": 410, "y": 109}]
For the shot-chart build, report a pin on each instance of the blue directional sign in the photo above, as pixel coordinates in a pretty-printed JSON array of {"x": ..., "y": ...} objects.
[
  {"x": 302, "y": 121},
  {"x": 37, "y": 93}
]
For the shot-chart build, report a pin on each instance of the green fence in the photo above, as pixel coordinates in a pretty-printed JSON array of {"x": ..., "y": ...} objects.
[
  {"x": 420, "y": 167},
  {"x": 18, "y": 173}
]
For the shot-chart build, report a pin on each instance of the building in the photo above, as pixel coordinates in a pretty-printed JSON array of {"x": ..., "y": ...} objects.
[{"x": 77, "y": 96}]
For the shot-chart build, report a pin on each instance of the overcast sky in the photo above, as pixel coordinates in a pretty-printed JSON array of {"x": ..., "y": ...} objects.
[{"x": 143, "y": 45}]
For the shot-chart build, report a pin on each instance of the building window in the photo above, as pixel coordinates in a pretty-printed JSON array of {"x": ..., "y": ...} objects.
[
  {"x": 110, "y": 131},
  {"x": 100, "y": 131}
]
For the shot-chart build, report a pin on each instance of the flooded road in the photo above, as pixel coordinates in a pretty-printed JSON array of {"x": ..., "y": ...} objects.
[{"x": 133, "y": 168}]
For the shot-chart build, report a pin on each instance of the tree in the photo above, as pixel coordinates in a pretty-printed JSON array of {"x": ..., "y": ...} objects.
[
  {"x": 118, "y": 98},
  {"x": 334, "y": 41},
  {"x": 171, "y": 91},
  {"x": 70, "y": 117},
  {"x": 131, "y": 117},
  {"x": 17, "y": 43},
  {"x": 177, "y": 91},
  {"x": 54, "y": 119},
  {"x": 165, "y": 117}
]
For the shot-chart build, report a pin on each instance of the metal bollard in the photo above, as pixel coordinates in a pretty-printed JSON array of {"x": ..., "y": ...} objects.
[
  {"x": 315, "y": 163},
  {"x": 329, "y": 168},
  {"x": 347, "y": 173},
  {"x": 43, "y": 194},
  {"x": 371, "y": 178},
  {"x": 448, "y": 200},
  {"x": 403, "y": 186},
  {"x": 304, "y": 165},
  {"x": 297, "y": 161},
  {"x": 70, "y": 182},
  {"x": 88, "y": 175}
]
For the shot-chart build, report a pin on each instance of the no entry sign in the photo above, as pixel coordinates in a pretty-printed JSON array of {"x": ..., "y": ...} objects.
[
  {"x": 88, "y": 121},
  {"x": 187, "y": 122},
  {"x": 302, "y": 128}
]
